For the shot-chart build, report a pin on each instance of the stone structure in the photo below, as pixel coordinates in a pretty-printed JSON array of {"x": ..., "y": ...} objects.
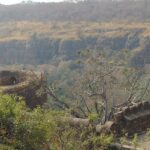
[
  {"x": 23, "y": 83},
  {"x": 133, "y": 119}
]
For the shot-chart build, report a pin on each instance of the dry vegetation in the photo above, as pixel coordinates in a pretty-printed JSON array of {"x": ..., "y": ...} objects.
[
  {"x": 23, "y": 30},
  {"x": 86, "y": 78}
]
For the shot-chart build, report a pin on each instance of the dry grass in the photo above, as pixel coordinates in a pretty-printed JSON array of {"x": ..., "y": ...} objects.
[
  {"x": 144, "y": 141},
  {"x": 66, "y": 30}
]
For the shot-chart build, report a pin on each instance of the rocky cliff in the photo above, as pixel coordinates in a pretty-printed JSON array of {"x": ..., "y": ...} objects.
[{"x": 39, "y": 43}]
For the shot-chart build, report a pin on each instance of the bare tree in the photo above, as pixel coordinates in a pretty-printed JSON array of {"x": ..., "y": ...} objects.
[
  {"x": 107, "y": 85},
  {"x": 102, "y": 86}
]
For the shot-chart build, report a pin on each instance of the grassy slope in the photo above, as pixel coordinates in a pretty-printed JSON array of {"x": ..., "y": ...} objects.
[{"x": 67, "y": 30}]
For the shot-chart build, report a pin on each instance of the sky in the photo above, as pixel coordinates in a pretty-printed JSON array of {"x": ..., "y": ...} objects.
[{"x": 9, "y": 2}]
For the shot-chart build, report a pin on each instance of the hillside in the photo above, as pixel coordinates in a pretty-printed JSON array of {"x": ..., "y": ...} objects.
[
  {"x": 25, "y": 42},
  {"x": 37, "y": 33},
  {"x": 104, "y": 10},
  {"x": 83, "y": 67}
]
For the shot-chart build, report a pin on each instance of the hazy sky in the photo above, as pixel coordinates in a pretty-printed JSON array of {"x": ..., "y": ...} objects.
[{"x": 8, "y": 2}]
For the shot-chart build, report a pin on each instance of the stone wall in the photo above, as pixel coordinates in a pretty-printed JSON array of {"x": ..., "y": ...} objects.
[{"x": 133, "y": 119}]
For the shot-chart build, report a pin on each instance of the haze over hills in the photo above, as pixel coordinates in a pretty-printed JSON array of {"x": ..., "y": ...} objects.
[{"x": 81, "y": 11}]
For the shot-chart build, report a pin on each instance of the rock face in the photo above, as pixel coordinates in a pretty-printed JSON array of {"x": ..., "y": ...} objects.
[
  {"x": 133, "y": 119},
  {"x": 23, "y": 83}
]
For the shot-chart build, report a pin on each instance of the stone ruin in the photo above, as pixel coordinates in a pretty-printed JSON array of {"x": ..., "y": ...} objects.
[
  {"x": 131, "y": 120},
  {"x": 24, "y": 83}
]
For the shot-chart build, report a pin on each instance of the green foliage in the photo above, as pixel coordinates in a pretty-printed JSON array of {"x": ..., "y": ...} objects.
[
  {"x": 134, "y": 141},
  {"x": 124, "y": 139},
  {"x": 93, "y": 117},
  {"x": 38, "y": 129},
  {"x": 103, "y": 141},
  {"x": 22, "y": 128},
  {"x": 33, "y": 130},
  {"x": 9, "y": 109}
]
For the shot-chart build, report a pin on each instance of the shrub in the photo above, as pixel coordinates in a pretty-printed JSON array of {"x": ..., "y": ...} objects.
[
  {"x": 38, "y": 129},
  {"x": 22, "y": 128},
  {"x": 103, "y": 141}
]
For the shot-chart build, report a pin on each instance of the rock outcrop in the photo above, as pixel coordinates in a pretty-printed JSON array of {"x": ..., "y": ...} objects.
[
  {"x": 23, "y": 83},
  {"x": 133, "y": 119}
]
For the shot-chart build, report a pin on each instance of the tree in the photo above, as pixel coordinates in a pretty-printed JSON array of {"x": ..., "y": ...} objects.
[
  {"x": 103, "y": 84},
  {"x": 107, "y": 83}
]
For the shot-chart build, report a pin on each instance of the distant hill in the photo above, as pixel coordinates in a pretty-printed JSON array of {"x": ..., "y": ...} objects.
[
  {"x": 28, "y": 42},
  {"x": 138, "y": 10},
  {"x": 37, "y": 33}
]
